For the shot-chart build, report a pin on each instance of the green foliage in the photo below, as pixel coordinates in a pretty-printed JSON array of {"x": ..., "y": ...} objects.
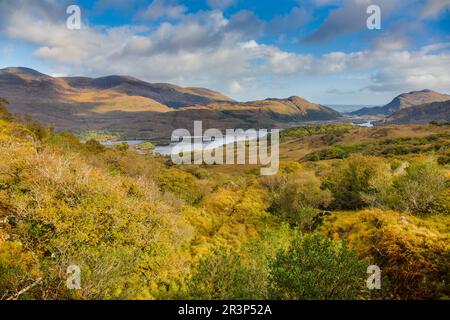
[
  {"x": 98, "y": 135},
  {"x": 294, "y": 195},
  {"x": 224, "y": 274},
  {"x": 94, "y": 146},
  {"x": 330, "y": 129},
  {"x": 358, "y": 178},
  {"x": 432, "y": 144},
  {"x": 422, "y": 189},
  {"x": 315, "y": 267},
  {"x": 121, "y": 231},
  {"x": 182, "y": 184},
  {"x": 146, "y": 146},
  {"x": 122, "y": 147}
]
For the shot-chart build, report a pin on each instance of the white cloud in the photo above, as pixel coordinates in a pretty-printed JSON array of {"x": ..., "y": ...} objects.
[{"x": 234, "y": 87}]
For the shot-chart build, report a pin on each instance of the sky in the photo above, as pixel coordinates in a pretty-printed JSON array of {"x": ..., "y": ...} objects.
[{"x": 321, "y": 50}]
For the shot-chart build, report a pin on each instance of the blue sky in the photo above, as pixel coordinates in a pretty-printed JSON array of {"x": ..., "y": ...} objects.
[{"x": 249, "y": 49}]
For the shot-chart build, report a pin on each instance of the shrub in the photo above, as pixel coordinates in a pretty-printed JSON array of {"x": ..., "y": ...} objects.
[
  {"x": 295, "y": 192},
  {"x": 94, "y": 146},
  {"x": 412, "y": 252},
  {"x": 421, "y": 189},
  {"x": 122, "y": 146},
  {"x": 18, "y": 269},
  {"x": 359, "y": 180},
  {"x": 225, "y": 274},
  {"x": 315, "y": 267}
]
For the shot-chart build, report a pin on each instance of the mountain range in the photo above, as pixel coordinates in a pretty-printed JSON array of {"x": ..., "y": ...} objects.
[
  {"x": 403, "y": 101},
  {"x": 135, "y": 108},
  {"x": 424, "y": 113}
]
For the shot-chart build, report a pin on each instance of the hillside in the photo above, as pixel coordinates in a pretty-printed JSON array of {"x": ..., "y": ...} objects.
[
  {"x": 404, "y": 101},
  {"x": 168, "y": 94},
  {"x": 134, "y": 108},
  {"x": 436, "y": 111},
  {"x": 139, "y": 227}
]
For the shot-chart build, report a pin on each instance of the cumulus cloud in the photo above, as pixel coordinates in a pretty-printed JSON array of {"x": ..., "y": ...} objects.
[{"x": 405, "y": 70}]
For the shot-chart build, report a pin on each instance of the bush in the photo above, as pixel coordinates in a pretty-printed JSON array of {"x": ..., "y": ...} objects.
[
  {"x": 121, "y": 231},
  {"x": 122, "y": 146},
  {"x": 94, "y": 146},
  {"x": 412, "y": 252},
  {"x": 359, "y": 181},
  {"x": 421, "y": 189},
  {"x": 295, "y": 192},
  {"x": 315, "y": 267},
  {"x": 224, "y": 274},
  {"x": 18, "y": 269}
]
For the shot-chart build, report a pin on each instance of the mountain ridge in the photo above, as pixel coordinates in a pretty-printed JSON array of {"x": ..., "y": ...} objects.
[
  {"x": 133, "y": 106},
  {"x": 403, "y": 101},
  {"x": 424, "y": 113}
]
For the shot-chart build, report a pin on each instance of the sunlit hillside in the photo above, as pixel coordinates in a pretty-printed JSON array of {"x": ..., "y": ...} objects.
[{"x": 140, "y": 227}]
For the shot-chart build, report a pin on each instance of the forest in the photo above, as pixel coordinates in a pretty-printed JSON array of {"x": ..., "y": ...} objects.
[{"x": 140, "y": 227}]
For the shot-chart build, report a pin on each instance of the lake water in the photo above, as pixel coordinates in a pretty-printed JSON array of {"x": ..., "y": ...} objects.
[
  {"x": 166, "y": 150},
  {"x": 130, "y": 142},
  {"x": 369, "y": 123},
  {"x": 209, "y": 145}
]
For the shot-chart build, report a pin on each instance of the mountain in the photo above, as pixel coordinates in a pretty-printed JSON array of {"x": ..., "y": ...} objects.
[
  {"x": 168, "y": 94},
  {"x": 425, "y": 113},
  {"x": 135, "y": 108},
  {"x": 403, "y": 101}
]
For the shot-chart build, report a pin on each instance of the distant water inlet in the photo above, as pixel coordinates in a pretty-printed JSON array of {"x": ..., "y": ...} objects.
[
  {"x": 368, "y": 123},
  {"x": 212, "y": 147}
]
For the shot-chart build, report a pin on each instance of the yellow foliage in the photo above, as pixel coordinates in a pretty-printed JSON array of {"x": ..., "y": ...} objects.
[{"x": 412, "y": 252}]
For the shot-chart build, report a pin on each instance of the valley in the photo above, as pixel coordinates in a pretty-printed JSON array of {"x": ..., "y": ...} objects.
[{"x": 86, "y": 177}]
